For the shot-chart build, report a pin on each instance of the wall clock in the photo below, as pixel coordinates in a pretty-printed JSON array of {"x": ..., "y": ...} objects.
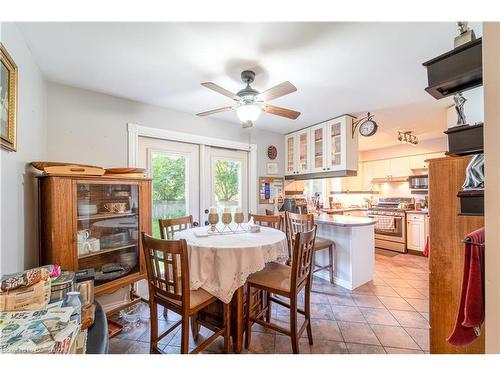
[
  {"x": 272, "y": 152},
  {"x": 367, "y": 127}
]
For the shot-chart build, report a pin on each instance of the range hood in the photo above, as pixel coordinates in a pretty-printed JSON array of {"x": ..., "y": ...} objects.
[{"x": 457, "y": 70}]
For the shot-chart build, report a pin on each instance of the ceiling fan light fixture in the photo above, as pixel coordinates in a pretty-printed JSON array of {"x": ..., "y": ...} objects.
[{"x": 248, "y": 112}]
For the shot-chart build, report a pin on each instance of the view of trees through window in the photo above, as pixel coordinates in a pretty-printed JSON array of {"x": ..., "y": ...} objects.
[
  {"x": 227, "y": 182},
  {"x": 169, "y": 188}
]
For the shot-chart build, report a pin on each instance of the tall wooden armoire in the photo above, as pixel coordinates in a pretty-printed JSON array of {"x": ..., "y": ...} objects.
[{"x": 447, "y": 230}]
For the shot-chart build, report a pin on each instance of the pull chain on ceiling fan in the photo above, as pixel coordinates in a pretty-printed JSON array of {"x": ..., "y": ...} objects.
[{"x": 250, "y": 103}]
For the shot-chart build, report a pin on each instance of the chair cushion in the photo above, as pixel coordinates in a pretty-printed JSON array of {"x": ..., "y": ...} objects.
[
  {"x": 197, "y": 297},
  {"x": 274, "y": 275},
  {"x": 322, "y": 243}
]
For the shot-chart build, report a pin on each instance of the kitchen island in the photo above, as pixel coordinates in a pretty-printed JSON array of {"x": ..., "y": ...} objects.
[{"x": 354, "y": 254}]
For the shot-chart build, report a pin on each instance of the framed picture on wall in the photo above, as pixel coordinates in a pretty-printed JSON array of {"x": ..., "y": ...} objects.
[
  {"x": 8, "y": 100},
  {"x": 272, "y": 168}
]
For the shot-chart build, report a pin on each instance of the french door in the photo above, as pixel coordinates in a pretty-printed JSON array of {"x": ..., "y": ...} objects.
[
  {"x": 189, "y": 178},
  {"x": 175, "y": 170},
  {"x": 226, "y": 180}
]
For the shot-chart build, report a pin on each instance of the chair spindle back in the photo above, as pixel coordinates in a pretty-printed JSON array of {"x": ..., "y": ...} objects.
[{"x": 168, "y": 227}]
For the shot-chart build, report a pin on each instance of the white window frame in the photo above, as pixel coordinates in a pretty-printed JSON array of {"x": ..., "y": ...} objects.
[{"x": 135, "y": 131}]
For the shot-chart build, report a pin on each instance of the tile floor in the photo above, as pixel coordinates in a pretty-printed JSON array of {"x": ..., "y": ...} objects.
[{"x": 387, "y": 315}]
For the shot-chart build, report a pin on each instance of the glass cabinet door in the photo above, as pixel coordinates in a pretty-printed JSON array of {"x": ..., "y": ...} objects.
[
  {"x": 290, "y": 154},
  {"x": 335, "y": 158},
  {"x": 318, "y": 152},
  {"x": 107, "y": 229},
  {"x": 303, "y": 142}
]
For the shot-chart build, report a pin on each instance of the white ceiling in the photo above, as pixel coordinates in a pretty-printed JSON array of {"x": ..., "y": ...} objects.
[{"x": 337, "y": 67}]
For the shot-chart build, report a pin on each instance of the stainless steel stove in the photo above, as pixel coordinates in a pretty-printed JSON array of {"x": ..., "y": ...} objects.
[{"x": 390, "y": 229}]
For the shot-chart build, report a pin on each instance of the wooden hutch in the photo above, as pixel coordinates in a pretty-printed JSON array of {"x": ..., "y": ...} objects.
[{"x": 95, "y": 222}]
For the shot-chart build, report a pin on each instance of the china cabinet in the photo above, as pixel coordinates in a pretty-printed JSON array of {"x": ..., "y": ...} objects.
[
  {"x": 95, "y": 222},
  {"x": 328, "y": 149}
]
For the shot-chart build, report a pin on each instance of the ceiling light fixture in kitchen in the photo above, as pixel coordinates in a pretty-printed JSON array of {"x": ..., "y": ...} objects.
[{"x": 407, "y": 137}]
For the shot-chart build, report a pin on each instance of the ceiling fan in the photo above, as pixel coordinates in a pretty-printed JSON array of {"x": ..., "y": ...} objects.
[{"x": 249, "y": 103}]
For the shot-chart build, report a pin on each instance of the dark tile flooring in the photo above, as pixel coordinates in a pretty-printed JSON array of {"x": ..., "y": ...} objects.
[{"x": 387, "y": 315}]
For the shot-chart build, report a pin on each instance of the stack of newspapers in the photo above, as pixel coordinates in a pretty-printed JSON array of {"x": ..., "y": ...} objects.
[{"x": 39, "y": 331}]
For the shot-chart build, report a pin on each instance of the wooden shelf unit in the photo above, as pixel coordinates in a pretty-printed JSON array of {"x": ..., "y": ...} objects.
[
  {"x": 446, "y": 259},
  {"x": 59, "y": 222}
]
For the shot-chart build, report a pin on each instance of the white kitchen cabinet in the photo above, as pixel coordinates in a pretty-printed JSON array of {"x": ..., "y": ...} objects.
[
  {"x": 326, "y": 147},
  {"x": 367, "y": 175},
  {"x": 303, "y": 151},
  {"x": 298, "y": 152},
  {"x": 418, "y": 161},
  {"x": 416, "y": 232},
  {"x": 319, "y": 148},
  {"x": 381, "y": 168},
  {"x": 399, "y": 167},
  {"x": 342, "y": 145},
  {"x": 290, "y": 154}
]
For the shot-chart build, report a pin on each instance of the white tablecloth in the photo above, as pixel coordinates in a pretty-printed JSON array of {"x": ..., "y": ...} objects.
[{"x": 220, "y": 264}]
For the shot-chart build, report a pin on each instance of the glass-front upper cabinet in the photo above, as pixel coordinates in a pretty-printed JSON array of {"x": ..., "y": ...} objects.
[
  {"x": 290, "y": 154},
  {"x": 107, "y": 225},
  {"x": 335, "y": 135},
  {"x": 303, "y": 151},
  {"x": 318, "y": 148},
  {"x": 330, "y": 146}
]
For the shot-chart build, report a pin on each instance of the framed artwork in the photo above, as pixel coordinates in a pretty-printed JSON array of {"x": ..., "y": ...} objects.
[
  {"x": 8, "y": 100},
  {"x": 272, "y": 168}
]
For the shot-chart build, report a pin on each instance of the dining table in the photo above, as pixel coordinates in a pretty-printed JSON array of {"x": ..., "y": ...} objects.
[{"x": 220, "y": 263}]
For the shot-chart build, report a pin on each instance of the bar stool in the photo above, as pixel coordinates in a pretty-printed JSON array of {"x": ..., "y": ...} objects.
[{"x": 304, "y": 222}]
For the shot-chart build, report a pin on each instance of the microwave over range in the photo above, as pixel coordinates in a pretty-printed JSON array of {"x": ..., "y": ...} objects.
[{"x": 419, "y": 182}]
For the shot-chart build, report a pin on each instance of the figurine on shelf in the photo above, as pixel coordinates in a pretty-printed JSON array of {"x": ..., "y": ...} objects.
[
  {"x": 460, "y": 100},
  {"x": 474, "y": 174}
]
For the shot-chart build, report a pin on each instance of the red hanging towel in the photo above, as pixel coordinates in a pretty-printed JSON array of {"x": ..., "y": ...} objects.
[
  {"x": 427, "y": 247},
  {"x": 470, "y": 314}
]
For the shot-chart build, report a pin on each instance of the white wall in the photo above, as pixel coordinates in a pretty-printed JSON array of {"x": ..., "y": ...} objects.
[
  {"x": 18, "y": 193},
  {"x": 491, "y": 71},
  {"x": 90, "y": 127}
]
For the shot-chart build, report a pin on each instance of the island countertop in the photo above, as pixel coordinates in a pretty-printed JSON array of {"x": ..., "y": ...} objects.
[{"x": 343, "y": 221}]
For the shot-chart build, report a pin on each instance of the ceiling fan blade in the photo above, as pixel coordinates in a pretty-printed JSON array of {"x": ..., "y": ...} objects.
[
  {"x": 220, "y": 90},
  {"x": 281, "y": 112},
  {"x": 277, "y": 91},
  {"x": 223, "y": 109}
]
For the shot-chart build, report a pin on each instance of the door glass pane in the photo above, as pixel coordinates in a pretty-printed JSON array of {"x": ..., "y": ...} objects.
[
  {"x": 318, "y": 148},
  {"x": 107, "y": 230},
  {"x": 303, "y": 143},
  {"x": 226, "y": 183},
  {"x": 290, "y": 153},
  {"x": 335, "y": 144},
  {"x": 170, "y": 187}
]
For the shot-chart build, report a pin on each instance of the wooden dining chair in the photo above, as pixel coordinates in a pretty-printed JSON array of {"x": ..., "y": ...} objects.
[
  {"x": 287, "y": 281},
  {"x": 304, "y": 222},
  {"x": 168, "y": 227},
  {"x": 272, "y": 221},
  {"x": 168, "y": 283}
]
